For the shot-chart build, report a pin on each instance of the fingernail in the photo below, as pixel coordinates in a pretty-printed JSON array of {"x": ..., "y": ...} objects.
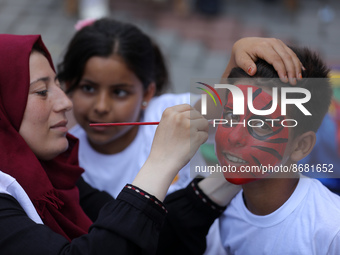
[
  {"x": 292, "y": 81},
  {"x": 303, "y": 68},
  {"x": 299, "y": 76},
  {"x": 249, "y": 70},
  {"x": 285, "y": 78}
]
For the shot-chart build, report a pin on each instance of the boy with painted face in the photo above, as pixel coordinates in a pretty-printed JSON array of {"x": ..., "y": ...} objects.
[
  {"x": 249, "y": 140},
  {"x": 279, "y": 212}
]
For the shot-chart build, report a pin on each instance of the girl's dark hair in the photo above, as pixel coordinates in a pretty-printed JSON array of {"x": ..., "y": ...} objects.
[
  {"x": 107, "y": 37},
  {"x": 320, "y": 89}
]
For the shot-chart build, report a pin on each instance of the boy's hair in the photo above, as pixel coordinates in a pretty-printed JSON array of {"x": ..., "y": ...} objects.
[
  {"x": 107, "y": 37},
  {"x": 320, "y": 89}
]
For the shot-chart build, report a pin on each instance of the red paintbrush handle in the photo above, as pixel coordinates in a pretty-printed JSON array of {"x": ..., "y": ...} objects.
[
  {"x": 130, "y": 123},
  {"x": 124, "y": 124}
]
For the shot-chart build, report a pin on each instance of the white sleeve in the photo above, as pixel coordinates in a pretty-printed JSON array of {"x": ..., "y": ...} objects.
[
  {"x": 10, "y": 186},
  {"x": 334, "y": 248}
]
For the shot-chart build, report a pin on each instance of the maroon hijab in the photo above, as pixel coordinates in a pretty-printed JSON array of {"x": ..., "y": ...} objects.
[{"x": 49, "y": 184}]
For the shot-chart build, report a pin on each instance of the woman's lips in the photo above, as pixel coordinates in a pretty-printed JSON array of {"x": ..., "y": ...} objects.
[{"x": 60, "y": 126}]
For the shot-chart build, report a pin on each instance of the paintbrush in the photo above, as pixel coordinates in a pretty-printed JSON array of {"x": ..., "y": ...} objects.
[{"x": 130, "y": 123}]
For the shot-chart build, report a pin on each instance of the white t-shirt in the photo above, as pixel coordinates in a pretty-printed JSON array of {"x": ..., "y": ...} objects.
[
  {"x": 307, "y": 223},
  {"x": 112, "y": 172}
]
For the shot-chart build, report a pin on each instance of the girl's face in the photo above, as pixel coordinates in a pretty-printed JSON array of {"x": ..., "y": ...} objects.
[
  {"x": 259, "y": 144},
  {"x": 44, "y": 123},
  {"x": 109, "y": 92}
]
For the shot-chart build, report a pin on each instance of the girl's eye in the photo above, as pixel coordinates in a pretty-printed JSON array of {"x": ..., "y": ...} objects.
[
  {"x": 42, "y": 92},
  {"x": 120, "y": 93},
  {"x": 87, "y": 88}
]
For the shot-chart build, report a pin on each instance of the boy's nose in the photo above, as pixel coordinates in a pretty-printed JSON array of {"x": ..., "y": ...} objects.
[{"x": 238, "y": 136}]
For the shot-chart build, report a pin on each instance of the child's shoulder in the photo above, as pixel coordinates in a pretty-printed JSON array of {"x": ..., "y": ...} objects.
[
  {"x": 322, "y": 201},
  {"x": 324, "y": 192},
  {"x": 77, "y": 131},
  {"x": 158, "y": 104},
  {"x": 322, "y": 214}
]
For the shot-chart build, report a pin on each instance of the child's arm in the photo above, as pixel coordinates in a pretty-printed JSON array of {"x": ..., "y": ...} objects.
[
  {"x": 244, "y": 54},
  {"x": 178, "y": 136},
  {"x": 219, "y": 190},
  {"x": 247, "y": 50}
]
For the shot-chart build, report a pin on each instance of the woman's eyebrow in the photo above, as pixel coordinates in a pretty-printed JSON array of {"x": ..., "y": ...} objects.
[{"x": 44, "y": 79}]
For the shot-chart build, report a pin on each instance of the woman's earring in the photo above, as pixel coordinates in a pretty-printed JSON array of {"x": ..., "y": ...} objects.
[{"x": 145, "y": 104}]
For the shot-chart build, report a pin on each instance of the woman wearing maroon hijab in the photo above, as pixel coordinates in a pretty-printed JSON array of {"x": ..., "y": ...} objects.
[{"x": 40, "y": 211}]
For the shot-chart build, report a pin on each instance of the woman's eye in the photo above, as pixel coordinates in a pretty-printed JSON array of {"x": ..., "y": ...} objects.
[
  {"x": 42, "y": 92},
  {"x": 87, "y": 88}
]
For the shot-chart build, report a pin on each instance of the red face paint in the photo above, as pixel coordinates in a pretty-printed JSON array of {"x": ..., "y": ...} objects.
[{"x": 243, "y": 146}]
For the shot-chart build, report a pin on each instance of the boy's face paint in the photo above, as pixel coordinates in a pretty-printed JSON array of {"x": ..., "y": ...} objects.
[{"x": 242, "y": 146}]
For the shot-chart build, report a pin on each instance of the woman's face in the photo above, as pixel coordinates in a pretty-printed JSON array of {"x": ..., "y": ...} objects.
[
  {"x": 242, "y": 146},
  {"x": 108, "y": 92},
  {"x": 44, "y": 123}
]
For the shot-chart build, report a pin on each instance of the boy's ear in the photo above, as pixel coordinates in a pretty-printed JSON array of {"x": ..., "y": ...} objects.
[
  {"x": 303, "y": 145},
  {"x": 148, "y": 94}
]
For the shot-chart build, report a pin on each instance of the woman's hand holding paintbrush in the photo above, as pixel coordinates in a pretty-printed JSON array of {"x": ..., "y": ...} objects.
[{"x": 178, "y": 136}]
